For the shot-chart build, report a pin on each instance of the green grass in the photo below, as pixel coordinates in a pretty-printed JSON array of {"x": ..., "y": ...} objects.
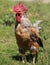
[{"x": 8, "y": 46}]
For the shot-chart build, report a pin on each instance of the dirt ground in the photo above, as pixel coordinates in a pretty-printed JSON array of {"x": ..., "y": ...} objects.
[{"x": 46, "y": 1}]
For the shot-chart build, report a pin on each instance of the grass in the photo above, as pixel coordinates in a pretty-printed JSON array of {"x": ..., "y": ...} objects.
[{"x": 8, "y": 46}]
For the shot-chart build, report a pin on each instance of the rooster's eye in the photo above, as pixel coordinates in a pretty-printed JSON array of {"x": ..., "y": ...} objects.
[{"x": 18, "y": 14}]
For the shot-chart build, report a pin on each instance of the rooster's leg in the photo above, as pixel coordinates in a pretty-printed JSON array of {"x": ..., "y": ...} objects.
[
  {"x": 34, "y": 60},
  {"x": 22, "y": 51},
  {"x": 34, "y": 54},
  {"x": 23, "y": 58}
]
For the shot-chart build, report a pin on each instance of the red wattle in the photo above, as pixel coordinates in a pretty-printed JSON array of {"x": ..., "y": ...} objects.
[{"x": 18, "y": 18}]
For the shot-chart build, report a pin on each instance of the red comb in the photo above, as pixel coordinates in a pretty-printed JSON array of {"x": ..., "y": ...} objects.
[{"x": 20, "y": 8}]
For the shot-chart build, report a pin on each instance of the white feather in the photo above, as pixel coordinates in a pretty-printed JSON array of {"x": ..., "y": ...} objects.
[{"x": 36, "y": 25}]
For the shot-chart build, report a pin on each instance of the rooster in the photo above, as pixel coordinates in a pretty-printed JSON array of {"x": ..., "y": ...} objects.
[{"x": 26, "y": 35}]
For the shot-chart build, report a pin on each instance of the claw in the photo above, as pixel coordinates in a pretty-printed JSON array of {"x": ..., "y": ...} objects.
[{"x": 23, "y": 61}]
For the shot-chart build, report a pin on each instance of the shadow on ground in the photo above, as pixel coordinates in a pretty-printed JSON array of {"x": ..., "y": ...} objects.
[{"x": 19, "y": 57}]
